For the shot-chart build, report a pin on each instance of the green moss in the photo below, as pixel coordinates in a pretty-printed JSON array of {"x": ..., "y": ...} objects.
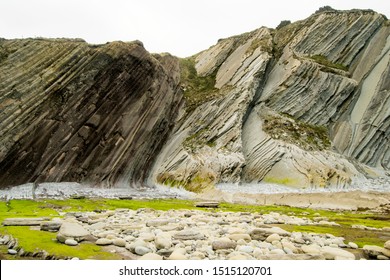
[
  {"x": 323, "y": 60},
  {"x": 307, "y": 136},
  {"x": 34, "y": 241},
  {"x": 263, "y": 43},
  {"x": 358, "y": 236},
  {"x": 197, "y": 89}
]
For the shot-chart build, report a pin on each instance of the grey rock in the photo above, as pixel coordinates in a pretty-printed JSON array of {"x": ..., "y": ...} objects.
[
  {"x": 141, "y": 250},
  {"x": 73, "y": 230},
  {"x": 52, "y": 226},
  {"x": 262, "y": 233},
  {"x": 103, "y": 242},
  {"x": 23, "y": 221},
  {"x": 223, "y": 245},
  {"x": 188, "y": 235}
]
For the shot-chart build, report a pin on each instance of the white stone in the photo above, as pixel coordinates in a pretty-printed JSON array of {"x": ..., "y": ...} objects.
[
  {"x": 103, "y": 242},
  {"x": 330, "y": 253},
  {"x": 245, "y": 249},
  {"x": 151, "y": 256},
  {"x": 119, "y": 242},
  {"x": 71, "y": 242},
  {"x": 12, "y": 252},
  {"x": 353, "y": 245},
  {"x": 273, "y": 237},
  {"x": 311, "y": 249},
  {"x": 387, "y": 245}
]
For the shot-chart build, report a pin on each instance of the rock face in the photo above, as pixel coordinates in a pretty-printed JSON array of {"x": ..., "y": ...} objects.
[
  {"x": 70, "y": 111},
  {"x": 304, "y": 105}
]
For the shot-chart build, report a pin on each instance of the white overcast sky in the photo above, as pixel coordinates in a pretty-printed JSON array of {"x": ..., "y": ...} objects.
[{"x": 180, "y": 27}]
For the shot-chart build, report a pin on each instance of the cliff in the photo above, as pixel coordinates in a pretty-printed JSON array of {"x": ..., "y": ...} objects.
[
  {"x": 70, "y": 111},
  {"x": 306, "y": 104}
]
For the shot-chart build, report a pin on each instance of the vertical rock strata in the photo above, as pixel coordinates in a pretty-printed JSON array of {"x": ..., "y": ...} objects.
[{"x": 74, "y": 112}]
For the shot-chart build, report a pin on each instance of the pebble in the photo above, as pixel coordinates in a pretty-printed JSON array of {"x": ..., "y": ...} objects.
[
  {"x": 353, "y": 245},
  {"x": 12, "y": 252},
  {"x": 151, "y": 256},
  {"x": 119, "y": 242},
  {"x": 71, "y": 242},
  {"x": 141, "y": 250},
  {"x": 103, "y": 242}
]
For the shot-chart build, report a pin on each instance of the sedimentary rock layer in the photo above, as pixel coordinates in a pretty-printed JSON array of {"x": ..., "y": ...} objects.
[{"x": 70, "y": 111}]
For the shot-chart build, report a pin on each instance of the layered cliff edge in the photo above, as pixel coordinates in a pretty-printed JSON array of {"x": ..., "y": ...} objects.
[{"x": 305, "y": 105}]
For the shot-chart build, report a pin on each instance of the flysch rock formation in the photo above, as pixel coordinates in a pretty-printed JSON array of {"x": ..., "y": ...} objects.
[
  {"x": 70, "y": 111},
  {"x": 304, "y": 105}
]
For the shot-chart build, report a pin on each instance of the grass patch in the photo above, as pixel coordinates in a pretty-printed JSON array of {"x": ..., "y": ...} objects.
[
  {"x": 197, "y": 89},
  {"x": 320, "y": 59},
  {"x": 34, "y": 241},
  {"x": 307, "y": 136}
]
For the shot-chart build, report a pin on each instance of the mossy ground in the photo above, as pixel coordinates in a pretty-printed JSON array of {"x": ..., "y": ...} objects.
[
  {"x": 35, "y": 240},
  {"x": 197, "y": 89}
]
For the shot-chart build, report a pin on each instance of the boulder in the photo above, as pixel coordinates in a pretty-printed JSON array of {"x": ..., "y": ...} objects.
[
  {"x": 387, "y": 245},
  {"x": 72, "y": 230},
  {"x": 374, "y": 251},
  {"x": 331, "y": 253}
]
